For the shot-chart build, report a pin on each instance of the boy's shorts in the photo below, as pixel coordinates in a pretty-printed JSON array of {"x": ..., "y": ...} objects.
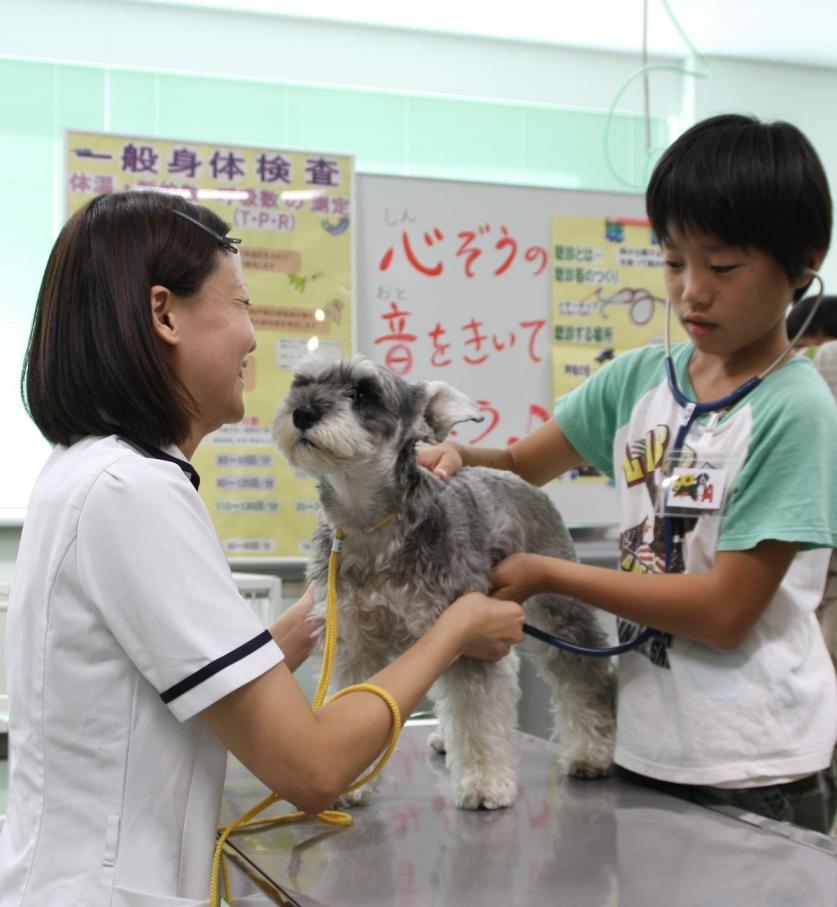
[{"x": 810, "y": 802}]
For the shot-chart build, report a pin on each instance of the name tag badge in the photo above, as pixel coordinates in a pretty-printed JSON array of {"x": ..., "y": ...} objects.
[{"x": 695, "y": 490}]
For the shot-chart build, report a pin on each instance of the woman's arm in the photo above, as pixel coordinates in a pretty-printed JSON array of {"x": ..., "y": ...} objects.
[
  {"x": 718, "y": 608},
  {"x": 310, "y": 757}
]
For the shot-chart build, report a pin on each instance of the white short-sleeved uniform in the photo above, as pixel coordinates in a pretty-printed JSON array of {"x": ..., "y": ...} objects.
[{"x": 124, "y": 622}]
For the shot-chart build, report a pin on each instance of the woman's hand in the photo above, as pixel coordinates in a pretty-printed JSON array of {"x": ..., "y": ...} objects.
[
  {"x": 310, "y": 757},
  {"x": 294, "y": 632},
  {"x": 489, "y": 627},
  {"x": 443, "y": 460},
  {"x": 520, "y": 576}
]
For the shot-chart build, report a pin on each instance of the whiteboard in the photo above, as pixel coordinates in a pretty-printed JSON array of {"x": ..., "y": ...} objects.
[{"x": 453, "y": 284}]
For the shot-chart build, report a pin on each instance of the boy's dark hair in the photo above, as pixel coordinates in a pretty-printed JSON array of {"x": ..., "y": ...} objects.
[
  {"x": 823, "y": 322},
  {"x": 750, "y": 184},
  {"x": 93, "y": 365}
]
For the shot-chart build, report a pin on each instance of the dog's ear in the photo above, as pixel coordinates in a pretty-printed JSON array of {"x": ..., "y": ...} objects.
[{"x": 444, "y": 406}]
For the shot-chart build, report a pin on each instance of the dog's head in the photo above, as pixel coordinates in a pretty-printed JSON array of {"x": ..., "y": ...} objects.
[{"x": 348, "y": 412}]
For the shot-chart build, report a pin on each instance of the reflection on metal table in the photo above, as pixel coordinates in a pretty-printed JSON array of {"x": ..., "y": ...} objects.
[{"x": 564, "y": 842}]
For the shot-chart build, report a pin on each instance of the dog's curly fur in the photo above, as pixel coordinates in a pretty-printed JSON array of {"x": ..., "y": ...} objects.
[{"x": 355, "y": 426}]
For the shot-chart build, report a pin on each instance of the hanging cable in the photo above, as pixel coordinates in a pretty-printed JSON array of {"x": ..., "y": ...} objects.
[
  {"x": 700, "y": 69},
  {"x": 646, "y": 88}
]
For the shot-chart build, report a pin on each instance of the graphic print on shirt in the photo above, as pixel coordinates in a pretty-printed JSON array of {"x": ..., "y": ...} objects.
[{"x": 642, "y": 546}]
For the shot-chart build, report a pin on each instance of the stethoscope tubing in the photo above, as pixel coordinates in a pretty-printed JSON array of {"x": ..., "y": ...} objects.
[{"x": 604, "y": 652}]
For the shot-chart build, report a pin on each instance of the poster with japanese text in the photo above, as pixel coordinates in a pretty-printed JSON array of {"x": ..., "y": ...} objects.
[
  {"x": 453, "y": 286},
  {"x": 454, "y": 283},
  {"x": 608, "y": 294},
  {"x": 293, "y": 212}
]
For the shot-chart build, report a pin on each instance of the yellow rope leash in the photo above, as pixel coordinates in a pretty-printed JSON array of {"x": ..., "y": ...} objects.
[{"x": 328, "y": 816}]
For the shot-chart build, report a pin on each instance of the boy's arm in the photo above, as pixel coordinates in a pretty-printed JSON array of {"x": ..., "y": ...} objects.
[
  {"x": 543, "y": 455},
  {"x": 718, "y": 608},
  {"x": 539, "y": 457}
]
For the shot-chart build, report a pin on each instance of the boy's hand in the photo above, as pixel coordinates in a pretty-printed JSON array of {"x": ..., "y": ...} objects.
[
  {"x": 443, "y": 460},
  {"x": 520, "y": 576}
]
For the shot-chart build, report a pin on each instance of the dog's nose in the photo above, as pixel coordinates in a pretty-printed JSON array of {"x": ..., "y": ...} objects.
[{"x": 305, "y": 416}]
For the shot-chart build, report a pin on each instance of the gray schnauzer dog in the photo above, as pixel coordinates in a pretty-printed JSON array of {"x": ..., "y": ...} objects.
[{"x": 355, "y": 426}]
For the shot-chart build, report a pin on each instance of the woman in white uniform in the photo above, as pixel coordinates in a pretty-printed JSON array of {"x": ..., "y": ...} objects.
[{"x": 134, "y": 664}]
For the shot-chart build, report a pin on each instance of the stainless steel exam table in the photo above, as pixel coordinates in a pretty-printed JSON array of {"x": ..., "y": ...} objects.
[{"x": 564, "y": 842}]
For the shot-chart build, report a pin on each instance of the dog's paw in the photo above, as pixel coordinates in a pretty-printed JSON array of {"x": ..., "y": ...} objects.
[
  {"x": 583, "y": 768},
  {"x": 359, "y": 797},
  {"x": 588, "y": 754},
  {"x": 478, "y": 791},
  {"x": 436, "y": 741},
  {"x": 588, "y": 758}
]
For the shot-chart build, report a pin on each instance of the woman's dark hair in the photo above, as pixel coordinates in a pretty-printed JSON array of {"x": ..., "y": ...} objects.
[
  {"x": 747, "y": 183},
  {"x": 93, "y": 365},
  {"x": 823, "y": 322}
]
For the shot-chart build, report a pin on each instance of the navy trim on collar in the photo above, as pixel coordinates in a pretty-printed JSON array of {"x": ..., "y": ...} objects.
[{"x": 158, "y": 454}]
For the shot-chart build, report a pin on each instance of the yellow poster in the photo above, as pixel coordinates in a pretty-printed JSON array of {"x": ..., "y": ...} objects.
[
  {"x": 608, "y": 294},
  {"x": 293, "y": 212}
]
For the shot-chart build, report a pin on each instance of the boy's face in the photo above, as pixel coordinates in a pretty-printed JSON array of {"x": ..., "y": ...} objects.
[{"x": 731, "y": 300}]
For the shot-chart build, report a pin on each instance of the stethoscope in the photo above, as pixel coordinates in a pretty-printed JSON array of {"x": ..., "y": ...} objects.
[{"x": 692, "y": 410}]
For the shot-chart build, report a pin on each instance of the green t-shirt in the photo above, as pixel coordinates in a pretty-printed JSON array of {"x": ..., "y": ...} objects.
[
  {"x": 688, "y": 712},
  {"x": 781, "y": 440}
]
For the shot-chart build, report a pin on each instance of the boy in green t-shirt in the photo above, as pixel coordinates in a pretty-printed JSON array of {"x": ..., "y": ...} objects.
[{"x": 735, "y": 699}]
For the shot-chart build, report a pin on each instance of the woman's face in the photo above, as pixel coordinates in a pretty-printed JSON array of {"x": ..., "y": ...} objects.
[{"x": 215, "y": 337}]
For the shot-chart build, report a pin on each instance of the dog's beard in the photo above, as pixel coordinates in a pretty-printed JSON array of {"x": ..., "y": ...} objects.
[{"x": 334, "y": 442}]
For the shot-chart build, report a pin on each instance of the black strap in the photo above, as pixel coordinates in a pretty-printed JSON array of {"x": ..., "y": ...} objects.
[{"x": 158, "y": 454}]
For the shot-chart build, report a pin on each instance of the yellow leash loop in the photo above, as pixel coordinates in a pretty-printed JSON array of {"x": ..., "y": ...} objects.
[{"x": 328, "y": 816}]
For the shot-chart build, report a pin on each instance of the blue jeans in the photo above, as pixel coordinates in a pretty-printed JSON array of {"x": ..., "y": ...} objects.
[{"x": 810, "y": 802}]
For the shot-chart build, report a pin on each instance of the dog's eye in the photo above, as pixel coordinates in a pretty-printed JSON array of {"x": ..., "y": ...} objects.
[{"x": 361, "y": 394}]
